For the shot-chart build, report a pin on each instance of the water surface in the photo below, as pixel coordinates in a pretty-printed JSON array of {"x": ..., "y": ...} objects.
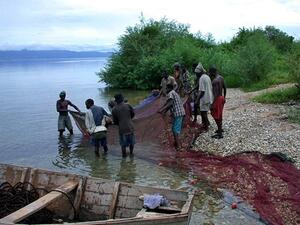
[{"x": 29, "y": 137}]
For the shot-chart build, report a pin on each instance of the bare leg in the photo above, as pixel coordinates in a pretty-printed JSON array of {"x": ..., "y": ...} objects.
[
  {"x": 131, "y": 147},
  {"x": 205, "y": 120},
  {"x": 218, "y": 132},
  {"x": 97, "y": 150},
  {"x": 105, "y": 148},
  {"x": 123, "y": 151},
  {"x": 176, "y": 141},
  {"x": 195, "y": 112}
]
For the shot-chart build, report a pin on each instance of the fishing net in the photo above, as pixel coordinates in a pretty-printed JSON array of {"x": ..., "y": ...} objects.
[
  {"x": 150, "y": 126},
  {"x": 15, "y": 197},
  {"x": 270, "y": 184}
]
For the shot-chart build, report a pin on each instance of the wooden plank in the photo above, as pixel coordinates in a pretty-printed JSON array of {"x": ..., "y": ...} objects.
[
  {"x": 31, "y": 177},
  {"x": 91, "y": 198},
  {"x": 78, "y": 197},
  {"x": 99, "y": 185},
  {"x": 114, "y": 200},
  {"x": 37, "y": 205},
  {"x": 135, "y": 190},
  {"x": 166, "y": 209},
  {"x": 23, "y": 176},
  {"x": 187, "y": 207}
]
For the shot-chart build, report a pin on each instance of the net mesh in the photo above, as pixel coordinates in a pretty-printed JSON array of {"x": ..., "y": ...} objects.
[{"x": 269, "y": 184}]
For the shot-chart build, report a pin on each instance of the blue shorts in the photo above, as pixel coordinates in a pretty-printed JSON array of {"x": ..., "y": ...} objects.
[
  {"x": 177, "y": 124},
  {"x": 127, "y": 139}
]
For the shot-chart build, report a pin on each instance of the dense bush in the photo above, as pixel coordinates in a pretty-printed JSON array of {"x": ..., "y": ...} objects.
[
  {"x": 149, "y": 48},
  {"x": 294, "y": 63},
  {"x": 254, "y": 58}
]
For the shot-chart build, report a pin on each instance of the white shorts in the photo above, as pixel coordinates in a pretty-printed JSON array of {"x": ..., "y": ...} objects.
[{"x": 204, "y": 107}]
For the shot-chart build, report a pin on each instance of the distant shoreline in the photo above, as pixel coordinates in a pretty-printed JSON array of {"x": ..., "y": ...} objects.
[{"x": 50, "y": 54}]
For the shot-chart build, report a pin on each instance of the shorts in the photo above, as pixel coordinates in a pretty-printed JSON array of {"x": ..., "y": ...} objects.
[
  {"x": 204, "y": 107},
  {"x": 217, "y": 108},
  {"x": 99, "y": 138},
  {"x": 64, "y": 121},
  {"x": 127, "y": 139},
  {"x": 177, "y": 124}
]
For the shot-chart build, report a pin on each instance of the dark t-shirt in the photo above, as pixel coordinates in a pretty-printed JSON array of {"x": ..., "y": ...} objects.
[
  {"x": 98, "y": 114},
  {"x": 62, "y": 107},
  {"x": 122, "y": 116},
  {"x": 217, "y": 86}
]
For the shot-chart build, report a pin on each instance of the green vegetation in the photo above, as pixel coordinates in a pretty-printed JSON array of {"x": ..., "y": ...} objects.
[
  {"x": 254, "y": 58},
  {"x": 294, "y": 115},
  {"x": 279, "y": 96}
]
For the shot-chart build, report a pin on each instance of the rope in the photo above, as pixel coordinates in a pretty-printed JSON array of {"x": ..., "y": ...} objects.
[{"x": 13, "y": 198}]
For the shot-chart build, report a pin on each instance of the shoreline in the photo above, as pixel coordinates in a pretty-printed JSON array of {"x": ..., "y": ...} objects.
[{"x": 251, "y": 126}]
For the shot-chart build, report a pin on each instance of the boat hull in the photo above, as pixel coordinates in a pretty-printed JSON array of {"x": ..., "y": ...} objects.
[{"x": 101, "y": 201}]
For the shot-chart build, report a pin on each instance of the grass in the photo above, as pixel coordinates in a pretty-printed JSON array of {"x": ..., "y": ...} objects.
[
  {"x": 273, "y": 78},
  {"x": 294, "y": 115},
  {"x": 279, "y": 96}
]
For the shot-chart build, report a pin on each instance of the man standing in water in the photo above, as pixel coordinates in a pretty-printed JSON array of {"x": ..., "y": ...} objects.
[
  {"x": 218, "y": 85},
  {"x": 122, "y": 116},
  {"x": 63, "y": 118},
  {"x": 205, "y": 97},
  {"x": 174, "y": 104},
  {"x": 95, "y": 121}
]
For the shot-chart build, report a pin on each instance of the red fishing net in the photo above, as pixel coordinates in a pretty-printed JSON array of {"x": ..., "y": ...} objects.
[{"x": 269, "y": 184}]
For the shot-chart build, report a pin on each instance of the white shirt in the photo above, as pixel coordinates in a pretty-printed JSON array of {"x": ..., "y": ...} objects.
[
  {"x": 205, "y": 85},
  {"x": 90, "y": 123}
]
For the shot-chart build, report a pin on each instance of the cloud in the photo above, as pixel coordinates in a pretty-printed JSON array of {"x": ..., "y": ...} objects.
[{"x": 82, "y": 22}]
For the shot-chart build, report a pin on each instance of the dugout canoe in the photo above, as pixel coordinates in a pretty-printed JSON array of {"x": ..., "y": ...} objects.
[{"x": 95, "y": 200}]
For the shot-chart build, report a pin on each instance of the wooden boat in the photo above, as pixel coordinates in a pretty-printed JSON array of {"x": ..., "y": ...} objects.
[{"x": 96, "y": 200}]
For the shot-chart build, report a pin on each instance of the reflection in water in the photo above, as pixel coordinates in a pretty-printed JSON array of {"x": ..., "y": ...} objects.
[
  {"x": 75, "y": 154},
  {"x": 100, "y": 164},
  {"x": 68, "y": 156},
  {"x": 31, "y": 107},
  {"x": 127, "y": 171},
  {"x": 133, "y": 97}
]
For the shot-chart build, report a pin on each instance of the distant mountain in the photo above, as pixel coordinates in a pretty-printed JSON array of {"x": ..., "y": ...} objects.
[{"x": 50, "y": 54}]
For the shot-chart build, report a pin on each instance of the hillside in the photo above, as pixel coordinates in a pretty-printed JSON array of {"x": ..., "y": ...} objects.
[{"x": 50, "y": 54}]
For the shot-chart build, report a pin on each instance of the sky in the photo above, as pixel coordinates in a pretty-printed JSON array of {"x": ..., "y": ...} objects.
[{"x": 97, "y": 24}]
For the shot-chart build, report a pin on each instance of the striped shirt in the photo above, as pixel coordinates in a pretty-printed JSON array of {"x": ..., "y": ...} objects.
[{"x": 177, "y": 108}]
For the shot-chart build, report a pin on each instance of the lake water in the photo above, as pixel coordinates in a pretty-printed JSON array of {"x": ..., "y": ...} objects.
[
  {"x": 29, "y": 90},
  {"x": 29, "y": 137}
]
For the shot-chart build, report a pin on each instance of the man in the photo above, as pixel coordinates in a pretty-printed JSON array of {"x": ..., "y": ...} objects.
[
  {"x": 218, "y": 85},
  {"x": 185, "y": 80},
  {"x": 178, "y": 79},
  {"x": 95, "y": 123},
  {"x": 205, "y": 97},
  {"x": 122, "y": 116},
  {"x": 166, "y": 80},
  {"x": 195, "y": 92},
  {"x": 111, "y": 104},
  {"x": 64, "y": 119},
  {"x": 174, "y": 104}
]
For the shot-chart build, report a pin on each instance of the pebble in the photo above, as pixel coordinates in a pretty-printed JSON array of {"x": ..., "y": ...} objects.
[{"x": 251, "y": 126}]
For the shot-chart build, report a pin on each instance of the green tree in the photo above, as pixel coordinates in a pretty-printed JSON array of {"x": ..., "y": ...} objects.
[
  {"x": 255, "y": 59},
  {"x": 294, "y": 63},
  {"x": 281, "y": 40},
  {"x": 147, "y": 49}
]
